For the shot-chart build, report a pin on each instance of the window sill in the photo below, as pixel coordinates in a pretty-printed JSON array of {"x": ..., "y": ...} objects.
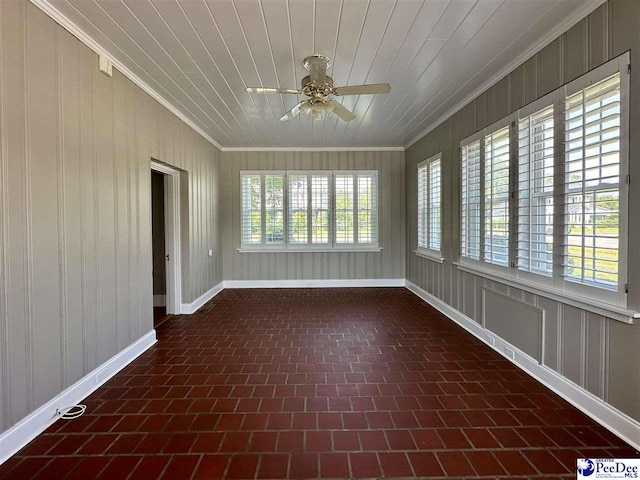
[
  {"x": 309, "y": 250},
  {"x": 429, "y": 256},
  {"x": 610, "y": 311}
]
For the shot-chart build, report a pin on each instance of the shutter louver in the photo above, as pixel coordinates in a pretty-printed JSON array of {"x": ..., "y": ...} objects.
[{"x": 535, "y": 192}]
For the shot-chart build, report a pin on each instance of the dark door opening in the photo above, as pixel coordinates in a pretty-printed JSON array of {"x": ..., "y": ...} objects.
[{"x": 158, "y": 247}]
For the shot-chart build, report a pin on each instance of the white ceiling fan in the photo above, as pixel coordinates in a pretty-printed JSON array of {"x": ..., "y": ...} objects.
[{"x": 318, "y": 86}]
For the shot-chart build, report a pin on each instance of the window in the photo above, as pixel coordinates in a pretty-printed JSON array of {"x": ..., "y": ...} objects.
[
  {"x": 535, "y": 191},
  {"x": 315, "y": 209},
  {"x": 429, "y": 205},
  {"x": 592, "y": 184},
  {"x": 496, "y": 197},
  {"x": 560, "y": 225},
  {"x": 471, "y": 200}
]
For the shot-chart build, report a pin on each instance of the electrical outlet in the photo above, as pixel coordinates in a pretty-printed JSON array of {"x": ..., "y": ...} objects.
[
  {"x": 102, "y": 375},
  {"x": 210, "y": 253},
  {"x": 510, "y": 353},
  {"x": 491, "y": 340}
]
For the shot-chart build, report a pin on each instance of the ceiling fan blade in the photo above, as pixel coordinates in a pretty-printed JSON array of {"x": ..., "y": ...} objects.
[
  {"x": 271, "y": 90},
  {"x": 340, "y": 111},
  {"x": 371, "y": 89},
  {"x": 292, "y": 113}
]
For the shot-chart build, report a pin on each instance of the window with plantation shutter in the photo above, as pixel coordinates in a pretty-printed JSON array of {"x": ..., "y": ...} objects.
[
  {"x": 429, "y": 205},
  {"x": 496, "y": 197},
  {"x": 367, "y": 219},
  {"x": 535, "y": 191},
  {"x": 320, "y": 208},
  {"x": 470, "y": 233},
  {"x": 592, "y": 117},
  {"x": 251, "y": 186},
  {"x": 554, "y": 217},
  {"x": 309, "y": 210},
  {"x": 274, "y": 209},
  {"x": 345, "y": 231},
  {"x": 298, "y": 209}
]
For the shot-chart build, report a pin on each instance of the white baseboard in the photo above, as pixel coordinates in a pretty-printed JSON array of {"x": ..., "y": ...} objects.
[
  {"x": 189, "y": 308},
  {"x": 391, "y": 282},
  {"x": 159, "y": 300},
  {"x": 35, "y": 423},
  {"x": 609, "y": 417}
]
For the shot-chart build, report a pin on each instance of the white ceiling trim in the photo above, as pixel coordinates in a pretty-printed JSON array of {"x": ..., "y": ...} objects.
[
  {"x": 313, "y": 149},
  {"x": 77, "y": 32},
  {"x": 586, "y": 8}
]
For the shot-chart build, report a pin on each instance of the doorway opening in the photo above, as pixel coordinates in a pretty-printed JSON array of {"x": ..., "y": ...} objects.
[{"x": 165, "y": 241}]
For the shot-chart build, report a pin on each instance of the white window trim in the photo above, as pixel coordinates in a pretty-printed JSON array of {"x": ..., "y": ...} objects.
[
  {"x": 420, "y": 250},
  {"x": 585, "y": 303},
  {"x": 612, "y": 304},
  {"x": 619, "y": 64},
  {"x": 332, "y": 245},
  {"x": 429, "y": 255}
]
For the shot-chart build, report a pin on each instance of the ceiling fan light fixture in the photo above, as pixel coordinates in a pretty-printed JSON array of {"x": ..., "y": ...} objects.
[
  {"x": 306, "y": 108},
  {"x": 316, "y": 115},
  {"x": 318, "y": 107},
  {"x": 329, "y": 107}
]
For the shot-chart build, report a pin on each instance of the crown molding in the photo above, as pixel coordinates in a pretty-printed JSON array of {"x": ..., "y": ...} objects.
[
  {"x": 581, "y": 12},
  {"x": 81, "y": 35},
  {"x": 313, "y": 149}
]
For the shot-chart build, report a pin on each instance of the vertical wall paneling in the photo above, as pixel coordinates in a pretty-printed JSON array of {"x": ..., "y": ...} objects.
[
  {"x": 75, "y": 240},
  {"x": 599, "y": 354},
  {"x": 4, "y": 248}
]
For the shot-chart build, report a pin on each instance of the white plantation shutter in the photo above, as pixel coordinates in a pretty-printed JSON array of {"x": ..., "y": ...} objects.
[
  {"x": 435, "y": 205},
  {"x": 344, "y": 205},
  {"x": 496, "y": 197},
  {"x": 298, "y": 208},
  {"x": 423, "y": 205},
  {"x": 470, "y": 233},
  {"x": 429, "y": 204},
  {"x": 251, "y": 190},
  {"x": 535, "y": 192},
  {"x": 274, "y": 209},
  {"x": 592, "y": 121},
  {"x": 320, "y": 208},
  {"x": 367, "y": 205}
]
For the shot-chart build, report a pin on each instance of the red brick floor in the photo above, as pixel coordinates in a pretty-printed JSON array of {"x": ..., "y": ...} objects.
[{"x": 330, "y": 383}]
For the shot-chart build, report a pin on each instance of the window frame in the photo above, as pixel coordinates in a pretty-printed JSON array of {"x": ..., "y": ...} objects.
[
  {"x": 619, "y": 64},
  {"x": 427, "y": 250},
  {"x": 331, "y": 244},
  {"x": 557, "y": 284}
]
